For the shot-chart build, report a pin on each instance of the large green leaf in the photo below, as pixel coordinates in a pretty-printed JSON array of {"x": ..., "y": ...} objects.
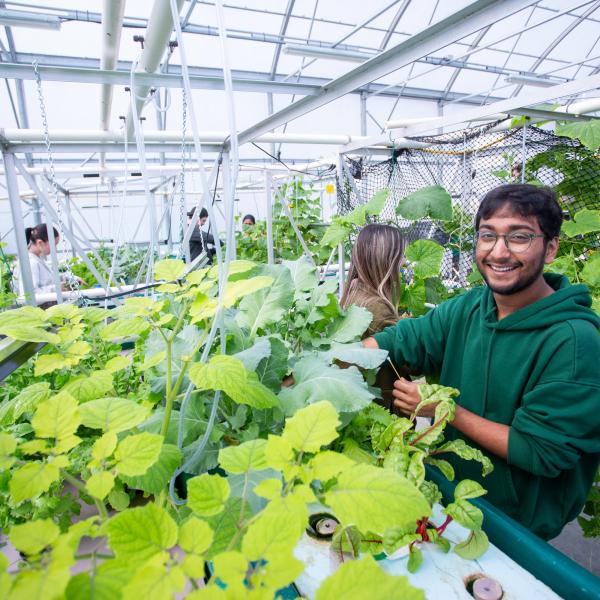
[
  {"x": 245, "y": 457},
  {"x": 25, "y": 401},
  {"x": 474, "y": 546},
  {"x": 591, "y": 271},
  {"x": 272, "y": 369},
  {"x": 106, "y": 583},
  {"x": 360, "y": 579},
  {"x": 313, "y": 305},
  {"x": 89, "y": 387},
  {"x": 28, "y": 333},
  {"x": 426, "y": 257},
  {"x": 57, "y": 418},
  {"x": 465, "y": 514},
  {"x": 585, "y": 221},
  {"x": 207, "y": 494},
  {"x": 431, "y": 201},
  {"x": 195, "y": 536},
  {"x": 315, "y": 380},
  {"x": 137, "y": 453},
  {"x": 156, "y": 478},
  {"x": 312, "y": 427},
  {"x": 32, "y": 479},
  {"x": 462, "y": 449},
  {"x": 335, "y": 234},
  {"x": 355, "y": 354},
  {"x": 100, "y": 484},
  {"x": 124, "y": 328},
  {"x": 375, "y": 499},
  {"x": 268, "y": 305},
  {"x": 169, "y": 269},
  {"x": 33, "y": 537},
  {"x": 351, "y": 326},
  {"x": 8, "y": 444},
  {"x": 112, "y": 414},
  {"x": 225, "y": 526},
  {"x": 303, "y": 274},
  {"x": 269, "y": 536},
  {"x": 31, "y": 316},
  {"x": 228, "y": 374},
  {"x": 587, "y": 132},
  {"x": 138, "y": 534},
  {"x": 250, "y": 357}
]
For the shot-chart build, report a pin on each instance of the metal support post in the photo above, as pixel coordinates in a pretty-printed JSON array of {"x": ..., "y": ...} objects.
[
  {"x": 67, "y": 203},
  {"x": 269, "y": 195},
  {"x": 36, "y": 210},
  {"x": 228, "y": 196},
  {"x": 363, "y": 113},
  {"x": 17, "y": 216}
]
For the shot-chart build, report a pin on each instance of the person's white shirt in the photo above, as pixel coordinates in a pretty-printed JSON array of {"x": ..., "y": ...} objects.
[{"x": 41, "y": 274}]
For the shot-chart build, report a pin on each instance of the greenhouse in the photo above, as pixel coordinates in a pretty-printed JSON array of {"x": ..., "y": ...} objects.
[{"x": 300, "y": 299}]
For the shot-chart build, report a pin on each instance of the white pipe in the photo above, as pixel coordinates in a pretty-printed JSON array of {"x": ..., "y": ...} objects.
[
  {"x": 112, "y": 21},
  {"x": 158, "y": 32},
  {"x": 96, "y": 135},
  {"x": 400, "y": 123},
  {"x": 72, "y": 296}
]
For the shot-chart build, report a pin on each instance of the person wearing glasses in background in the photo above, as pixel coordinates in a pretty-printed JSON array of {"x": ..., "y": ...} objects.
[{"x": 523, "y": 351}]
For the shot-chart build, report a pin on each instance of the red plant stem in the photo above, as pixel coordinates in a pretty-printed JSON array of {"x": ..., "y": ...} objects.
[
  {"x": 430, "y": 428},
  {"x": 443, "y": 526}
]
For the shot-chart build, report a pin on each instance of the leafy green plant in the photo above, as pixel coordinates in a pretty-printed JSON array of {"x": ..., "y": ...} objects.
[
  {"x": 110, "y": 426},
  {"x": 7, "y": 296}
]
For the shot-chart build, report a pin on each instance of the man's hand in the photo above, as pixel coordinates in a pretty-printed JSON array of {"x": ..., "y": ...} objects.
[{"x": 407, "y": 398}]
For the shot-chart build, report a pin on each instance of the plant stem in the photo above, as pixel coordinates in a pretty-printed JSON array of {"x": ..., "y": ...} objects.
[
  {"x": 445, "y": 524},
  {"x": 429, "y": 429},
  {"x": 169, "y": 395},
  {"x": 81, "y": 487}
]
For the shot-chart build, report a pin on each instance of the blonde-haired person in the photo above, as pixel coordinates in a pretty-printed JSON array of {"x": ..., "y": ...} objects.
[{"x": 374, "y": 283}]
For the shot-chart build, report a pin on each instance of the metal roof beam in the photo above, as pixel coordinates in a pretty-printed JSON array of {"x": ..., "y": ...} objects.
[{"x": 462, "y": 23}]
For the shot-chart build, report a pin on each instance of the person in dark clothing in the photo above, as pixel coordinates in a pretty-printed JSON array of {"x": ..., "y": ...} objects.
[
  {"x": 200, "y": 240},
  {"x": 249, "y": 220},
  {"x": 523, "y": 352}
]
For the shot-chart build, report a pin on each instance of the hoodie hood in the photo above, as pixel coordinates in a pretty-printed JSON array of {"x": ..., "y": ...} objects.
[{"x": 568, "y": 302}]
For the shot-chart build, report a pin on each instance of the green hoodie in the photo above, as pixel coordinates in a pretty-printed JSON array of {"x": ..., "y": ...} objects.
[{"x": 538, "y": 371}]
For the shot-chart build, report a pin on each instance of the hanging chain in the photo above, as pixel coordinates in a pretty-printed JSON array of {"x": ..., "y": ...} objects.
[{"x": 72, "y": 281}]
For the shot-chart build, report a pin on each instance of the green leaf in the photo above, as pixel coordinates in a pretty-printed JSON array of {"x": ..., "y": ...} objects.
[
  {"x": 268, "y": 305},
  {"x": 137, "y": 453},
  {"x": 154, "y": 581},
  {"x": 32, "y": 479},
  {"x": 397, "y": 537},
  {"x": 33, "y": 537},
  {"x": 444, "y": 466},
  {"x": 57, "y": 418},
  {"x": 228, "y": 374},
  {"x": 112, "y": 414},
  {"x": 426, "y": 257},
  {"x": 375, "y": 205},
  {"x": 462, "y": 449},
  {"x": 467, "y": 489},
  {"x": 431, "y": 201},
  {"x": 360, "y": 579},
  {"x": 156, "y": 478},
  {"x": 225, "y": 526},
  {"x": 46, "y": 363},
  {"x": 235, "y": 290},
  {"x": 139, "y": 533},
  {"x": 474, "y": 546},
  {"x": 89, "y": 387},
  {"x": 152, "y": 361},
  {"x": 207, "y": 494},
  {"x": 278, "y": 452},
  {"x": 100, "y": 484},
  {"x": 169, "y": 269},
  {"x": 335, "y": 234},
  {"x": 104, "y": 446},
  {"x": 235, "y": 268},
  {"x": 591, "y": 271},
  {"x": 29, "y": 333},
  {"x": 124, "y": 328},
  {"x": 107, "y": 583},
  {"x": 268, "y": 488},
  {"x": 414, "y": 297},
  {"x": 312, "y": 427},
  {"x": 25, "y": 401},
  {"x": 303, "y": 274},
  {"x": 465, "y": 514},
  {"x": 585, "y": 221},
  {"x": 328, "y": 464},
  {"x": 355, "y": 354},
  {"x": 315, "y": 380},
  {"x": 8, "y": 445},
  {"x": 245, "y": 457},
  {"x": 415, "y": 559},
  {"x": 252, "y": 356},
  {"x": 31, "y": 316},
  {"x": 195, "y": 536},
  {"x": 587, "y": 132},
  {"x": 375, "y": 499},
  {"x": 269, "y": 536},
  {"x": 117, "y": 363},
  {"x": 272, "y": 369},
  {"x": 353, "y": 324}
]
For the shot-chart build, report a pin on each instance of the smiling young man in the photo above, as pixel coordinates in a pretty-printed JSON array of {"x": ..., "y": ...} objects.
[{"x": 524, "y": 352}]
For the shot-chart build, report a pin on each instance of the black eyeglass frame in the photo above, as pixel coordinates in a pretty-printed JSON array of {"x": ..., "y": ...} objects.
[{"x": 506, "y": 236}]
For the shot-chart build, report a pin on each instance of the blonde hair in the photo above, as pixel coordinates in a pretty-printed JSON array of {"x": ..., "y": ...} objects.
[{"x": 375, "y": 267}]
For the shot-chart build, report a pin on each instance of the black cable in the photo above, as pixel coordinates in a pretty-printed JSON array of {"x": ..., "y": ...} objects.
[{"x": 277, "y": 159}]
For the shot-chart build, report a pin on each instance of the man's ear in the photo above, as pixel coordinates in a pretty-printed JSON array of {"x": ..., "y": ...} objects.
[{"x": 551, "y": 250}]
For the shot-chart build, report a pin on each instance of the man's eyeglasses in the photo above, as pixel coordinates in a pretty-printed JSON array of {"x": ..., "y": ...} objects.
[{"x": 515, "y": 242}]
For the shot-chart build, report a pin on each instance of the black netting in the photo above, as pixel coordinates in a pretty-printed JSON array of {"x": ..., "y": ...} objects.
[{"x": 469, "y": 164}]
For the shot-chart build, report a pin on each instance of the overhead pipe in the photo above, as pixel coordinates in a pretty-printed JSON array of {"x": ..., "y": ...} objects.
[{"x": 158, "y": 32}]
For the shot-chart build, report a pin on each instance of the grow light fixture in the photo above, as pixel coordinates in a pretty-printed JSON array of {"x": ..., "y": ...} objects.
[
  {"x": 20, "y": 18},
  {"x": 535, "y": 80},
  {"x": 325, "y": 52}
]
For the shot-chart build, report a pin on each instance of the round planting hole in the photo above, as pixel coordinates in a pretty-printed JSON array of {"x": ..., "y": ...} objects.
[
  {"x": 482, "y": 587},
  {"x": 322, "y": 526}
]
